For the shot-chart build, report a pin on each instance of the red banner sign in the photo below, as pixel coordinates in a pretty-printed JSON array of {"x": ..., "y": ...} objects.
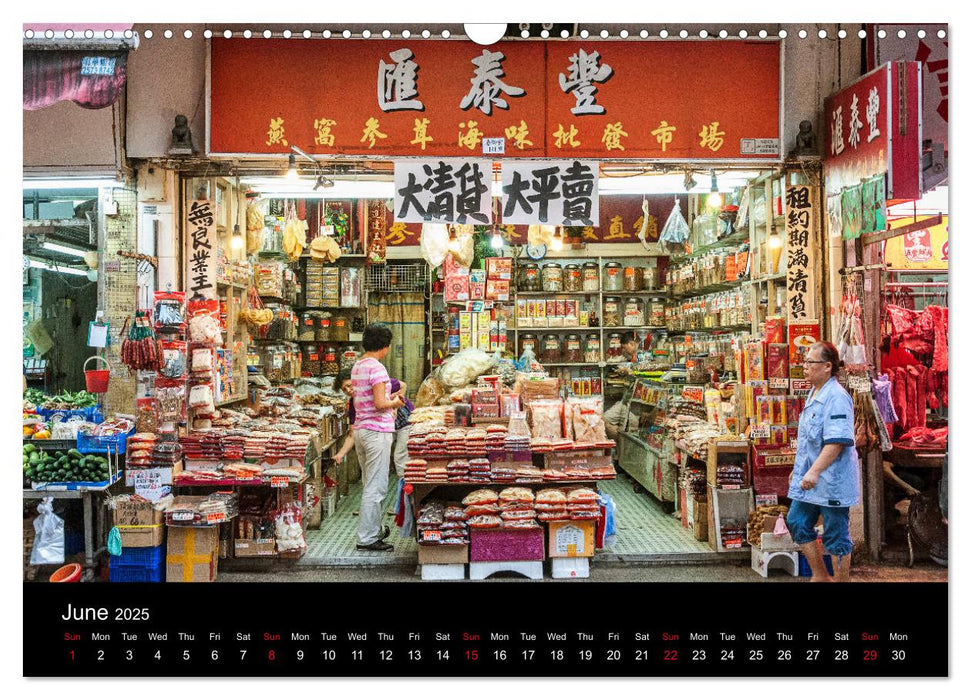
[
  {"x": 524, "y": 99},
  {"x": 873, "y": 128}
]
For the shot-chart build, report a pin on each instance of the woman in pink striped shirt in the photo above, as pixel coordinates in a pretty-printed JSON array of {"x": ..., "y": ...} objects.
[{"x": 373, "y": 434}]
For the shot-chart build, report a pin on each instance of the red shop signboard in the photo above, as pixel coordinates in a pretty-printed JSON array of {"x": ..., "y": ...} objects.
[
  {"x": 652, "y": 100},
  {"x": 873, "y": 127}
]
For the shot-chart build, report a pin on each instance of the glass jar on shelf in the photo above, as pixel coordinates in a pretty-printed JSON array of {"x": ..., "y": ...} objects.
[
  {"x": 615, "y": 349},
  {"x": 528, "y": 340},
  {"x": 572, "y": 278},
  {"x": 634, "y": 312},
  {"x": 613, "y": 312},
  {"x": 633, "y": 278},
  {"x": 573, "y": 349},
  {"x": 613, "y": 277},
  {"x": 529, "y": 278},
  {"x": 550, "y": 349},
  {"x": 552, "y": 277},
  {"x": 591, "y": 277},
  {"x": 591, "y": 348}
]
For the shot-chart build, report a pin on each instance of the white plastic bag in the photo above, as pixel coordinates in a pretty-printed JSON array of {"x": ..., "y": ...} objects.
[
  {"x": 49, "y": 542},
  {"x": 434, "y": 243},
  {"x": 465, "y": 367},
  {"x": 676, "y": 230}
]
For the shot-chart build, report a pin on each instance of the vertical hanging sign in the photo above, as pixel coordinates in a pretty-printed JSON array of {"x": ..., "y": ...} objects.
[
  {"x": 800, "y": 282},
  {"x": 200, "y": 249}
]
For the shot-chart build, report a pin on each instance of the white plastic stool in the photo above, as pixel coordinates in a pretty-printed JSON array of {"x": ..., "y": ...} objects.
[
  {"x": 785, "y": 559},
  {"x": 479, "y": 570}
]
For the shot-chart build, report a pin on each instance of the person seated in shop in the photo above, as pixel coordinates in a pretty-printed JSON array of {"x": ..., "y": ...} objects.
[{"x": 617, "y": 417}]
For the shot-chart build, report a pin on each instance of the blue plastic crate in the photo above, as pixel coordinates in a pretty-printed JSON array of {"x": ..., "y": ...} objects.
[
  {"x": 94, "y": 444},
  {"x": 149, "y": 557},
  {"x": 91, "y": 414},
  {"x": 805, "y": 571},
  {"x": 136, "y": 574}
]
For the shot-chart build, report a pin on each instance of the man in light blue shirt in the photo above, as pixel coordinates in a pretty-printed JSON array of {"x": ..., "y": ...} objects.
[{"x": 825, "y": 478}]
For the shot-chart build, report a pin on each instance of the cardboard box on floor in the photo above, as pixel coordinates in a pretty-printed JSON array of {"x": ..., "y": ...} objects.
[
  {"x": 572, "y": 539},
  {"x": 191, "y": 554},
  {"x": 256, "y": 548},
  {"x": 443, "y": 554}
]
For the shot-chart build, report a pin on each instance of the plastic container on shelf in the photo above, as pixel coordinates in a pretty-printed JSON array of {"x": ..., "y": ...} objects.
[
  {"x": 340, "y": 328},
  {"x": 615, "y": 352},
  {"x": 572, "y": 278},
  {"x": 650, "y": 278},
  {"x": 307, "y": 328},
  {"x": 591, "y": 277},
  {"x": 552, "y": 277},
  {"x": 613, "y": 277}
]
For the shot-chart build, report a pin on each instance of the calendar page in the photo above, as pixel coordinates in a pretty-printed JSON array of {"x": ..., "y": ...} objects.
[{"x": 643, "y": 373}]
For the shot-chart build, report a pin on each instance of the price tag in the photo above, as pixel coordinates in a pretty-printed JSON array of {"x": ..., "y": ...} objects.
[
  {"x": 769, "y": 499},
  {"x": 182, "y": 516},
  {"x": 215, "y": 517},
  {"x": 778, "y": 383},
  {"x": 759, "y": 430},
  {"x": 279, "y": 482}
]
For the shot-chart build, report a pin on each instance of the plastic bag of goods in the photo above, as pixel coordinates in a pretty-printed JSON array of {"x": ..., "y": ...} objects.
[
  {"x": 430, "y": 391},
  {"x": 49, "y": 542},
  {"x": 463, "y": 368},
  {"x": 547, "y": 418},
  {"x": 586, "y": 414}
]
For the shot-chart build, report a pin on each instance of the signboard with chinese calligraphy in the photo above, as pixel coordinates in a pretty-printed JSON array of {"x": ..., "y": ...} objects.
[
  {"x": 449, "y": 191},
  {"x": 652, "y": 100},
  {"x": 873, "y": 128},
  {"x": 919, "y": 250},
  {"x": 200, "y": 249},
  {"x": 558, "y": 193},
  {"x": 800, "y": 247}
]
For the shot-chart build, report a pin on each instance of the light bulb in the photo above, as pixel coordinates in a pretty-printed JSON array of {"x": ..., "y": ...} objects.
[
  {"x": 557, "y": 242},
  {"x": 715, "y": 198},
  {"x": 496, "y": 240},
  {"x": 775, "y": 241},
  {"x": 292, "y": 175},
  {"x": 237, "y": 242}
]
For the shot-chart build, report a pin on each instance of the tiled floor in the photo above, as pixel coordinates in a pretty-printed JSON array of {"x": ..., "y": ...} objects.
[{"x": 644, "y": 533}]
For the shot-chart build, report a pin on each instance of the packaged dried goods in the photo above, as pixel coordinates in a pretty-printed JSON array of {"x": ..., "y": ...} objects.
[
  {"x": 484, "y": 522},
  {"x": 170, "y": 311},
  {"x": 481, "y": 497},
  {"x": 586, "y": 415},
  {"x": 547, "y": 418},
  {"x": 582, "y": 496}
]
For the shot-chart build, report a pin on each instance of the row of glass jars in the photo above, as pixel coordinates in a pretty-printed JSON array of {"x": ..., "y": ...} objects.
[
  {"x": 712, "y": 311},
  {"x": 633, "y": 311},
  {"x": 322, "y": 325},
  {"x": 571, "y": 348},
  {"x": 573, "y": 277}
]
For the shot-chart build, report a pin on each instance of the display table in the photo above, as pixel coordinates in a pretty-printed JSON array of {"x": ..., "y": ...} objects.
[
  {"x": 423, "y": 489},
  {"x": 647, "y": 467}
]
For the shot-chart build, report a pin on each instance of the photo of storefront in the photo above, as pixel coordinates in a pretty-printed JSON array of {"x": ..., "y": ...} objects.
[{"x": 605, "y": 289}]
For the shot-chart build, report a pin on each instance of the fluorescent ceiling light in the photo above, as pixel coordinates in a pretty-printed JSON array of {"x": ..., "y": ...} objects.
[
  {"x": 58, "y": 268},
  {"x": 673, "y": 183},
  {"x": 70, "y": 184},
  {"x": 66, "y": 249},
  {"x": 304, "y": 188}
]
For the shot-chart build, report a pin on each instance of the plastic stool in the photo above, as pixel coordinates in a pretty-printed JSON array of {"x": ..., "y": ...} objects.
[{"x": 785, "y": 559}]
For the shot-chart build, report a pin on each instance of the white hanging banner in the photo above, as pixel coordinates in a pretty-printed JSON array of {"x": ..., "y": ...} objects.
[
  {"x": 556, "y": 193},
  {"x": 447, "y": 191}
]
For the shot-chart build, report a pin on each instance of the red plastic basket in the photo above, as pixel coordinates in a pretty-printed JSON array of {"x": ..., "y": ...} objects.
[
  {"x": 96, "y": 379},
  {"x": 69, "y": 573}
]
